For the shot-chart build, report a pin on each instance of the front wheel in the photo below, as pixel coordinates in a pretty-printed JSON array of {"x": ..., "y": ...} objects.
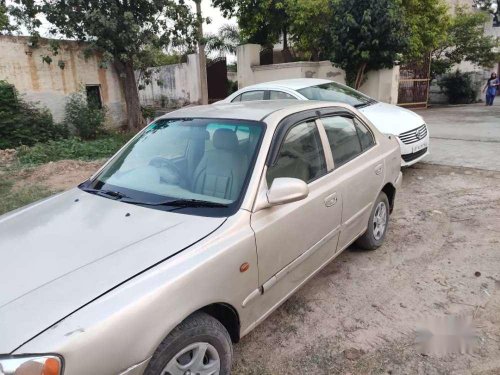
[
  {"x": 200, "y": 345},
  {"x": 374, "y": 236}
]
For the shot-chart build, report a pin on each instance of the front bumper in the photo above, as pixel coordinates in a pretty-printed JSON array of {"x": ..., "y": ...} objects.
[{"x": 412, "y": 149}]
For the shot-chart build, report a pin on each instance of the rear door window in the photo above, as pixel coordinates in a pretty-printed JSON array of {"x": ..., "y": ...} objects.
[
  {"x": 365, "y": 135},
  {"x": 280, "y": 95},
  {"x": 252, "y": 95},
  {"x": 343, "y": 139}
]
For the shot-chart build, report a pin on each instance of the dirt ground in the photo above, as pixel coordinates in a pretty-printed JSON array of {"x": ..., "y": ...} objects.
[
  {"x": 59, "y": 175},
  {"x": 360, "y": 314}
]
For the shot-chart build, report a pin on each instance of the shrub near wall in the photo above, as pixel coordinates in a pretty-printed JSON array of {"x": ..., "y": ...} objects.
[
  {"x": 23, "y": 123},
  {"x": 84, "y": 117},
  {"x": 458, "y": 87}
]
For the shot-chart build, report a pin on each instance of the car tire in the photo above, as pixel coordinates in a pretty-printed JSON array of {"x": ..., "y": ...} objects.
[
  {"x": 194, "y": 345},
  {"x": 374, "y": 236}
]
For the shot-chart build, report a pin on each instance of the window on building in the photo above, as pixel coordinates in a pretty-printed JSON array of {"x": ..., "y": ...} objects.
[{"x": 94, "y": 95}]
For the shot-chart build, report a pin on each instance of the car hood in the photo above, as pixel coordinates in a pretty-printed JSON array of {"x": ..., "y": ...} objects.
[
  {"x": 391, "y": 119},
  {"x": 61, "y": 253}
]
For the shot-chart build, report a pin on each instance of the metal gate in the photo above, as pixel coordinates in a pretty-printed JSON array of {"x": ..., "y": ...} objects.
[
  {"x": 217, "y": 79},
  {"x": 414, "y": 84}
]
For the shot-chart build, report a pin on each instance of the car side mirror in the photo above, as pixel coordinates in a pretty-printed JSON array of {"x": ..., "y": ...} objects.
[{"x": 286, "y": 190}]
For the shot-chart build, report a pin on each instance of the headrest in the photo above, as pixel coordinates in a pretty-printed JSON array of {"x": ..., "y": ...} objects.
[{"x": 225, "y": 139}]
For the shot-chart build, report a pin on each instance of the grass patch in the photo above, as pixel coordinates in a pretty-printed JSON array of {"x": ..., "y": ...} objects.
[
  {"x": 10, "y": 199},
  {"x": 72, "y": 148},
  {"x": 5, "y": 187}
]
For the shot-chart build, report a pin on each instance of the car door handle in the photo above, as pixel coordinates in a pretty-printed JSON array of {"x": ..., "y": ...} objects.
[
  {"x": 378, "y": 169},
  {"x": 331, "y": 200}
]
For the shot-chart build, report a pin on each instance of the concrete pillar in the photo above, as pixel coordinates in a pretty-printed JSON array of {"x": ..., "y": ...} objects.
[
  {"x": 248, "y": 55},
  {"x": 394, "y": 85},
  {"x": 382, "y": 85},
  {"x": 193, "y": 64}
]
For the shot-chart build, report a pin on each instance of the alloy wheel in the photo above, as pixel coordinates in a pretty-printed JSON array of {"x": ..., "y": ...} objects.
[
  {"x": 199, "y": 358},
  {"x": 379, "y": 221}
]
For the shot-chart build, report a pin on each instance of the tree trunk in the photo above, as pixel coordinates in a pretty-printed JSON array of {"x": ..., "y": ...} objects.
[
  {"x": 201, "y": 56},
  {"x": 359, "y": 76},
  {"x": 285, "y": 38},
  {"x": 135, "y": 120}
]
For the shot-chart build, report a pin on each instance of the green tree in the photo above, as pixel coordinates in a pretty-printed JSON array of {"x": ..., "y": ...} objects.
[
  {"x": 366, "y": 35},
  {"x": 304, "y": 22},
  {"x": 428, "y": 22},
  {"x": 4, "y": 18},
  {"x": 259, "y": 21},
  {"x": 309, "y": 27},
  {"x": 465, "y": 41},
  {"x": 121, "y": 31}
]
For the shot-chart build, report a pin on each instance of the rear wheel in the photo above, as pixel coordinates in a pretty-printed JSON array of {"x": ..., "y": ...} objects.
[
  {"x": 374, "y": 236},
  {"x": 200, "y": 345}
]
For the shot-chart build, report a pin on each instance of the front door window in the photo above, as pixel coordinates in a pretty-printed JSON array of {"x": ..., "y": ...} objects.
[{"x": 301, "y": 155}]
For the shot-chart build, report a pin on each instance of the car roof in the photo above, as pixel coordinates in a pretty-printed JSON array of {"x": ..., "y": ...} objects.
[
  {"x": 251, "y": 110},
  {"x": 293, "y": 84}
]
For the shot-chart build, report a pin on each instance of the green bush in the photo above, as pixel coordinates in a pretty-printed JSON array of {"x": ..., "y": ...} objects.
[
  {"x": 85, "y": 118},
  {"x": 232, "y": 86},
  {"x": 458, "y": 87},
  {"x": 72, "y": 148},
  {"x": 23, "y": 123},
  {"x": 148, "y": 112}
]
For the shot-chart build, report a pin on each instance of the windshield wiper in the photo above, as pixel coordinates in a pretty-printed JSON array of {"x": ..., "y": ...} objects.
[
  {"x": 178, "y": 203},
  {"x": 106, "y": 193},
  {"x": 365, "y": 104},
  {"x": 194, "y": 203}
]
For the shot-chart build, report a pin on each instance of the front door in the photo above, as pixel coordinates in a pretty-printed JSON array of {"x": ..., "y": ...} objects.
[{"x": 295, "y": 239}]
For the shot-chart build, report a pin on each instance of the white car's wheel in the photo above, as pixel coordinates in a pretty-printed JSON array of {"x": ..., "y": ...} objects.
[{"x": 199, "y": 345}]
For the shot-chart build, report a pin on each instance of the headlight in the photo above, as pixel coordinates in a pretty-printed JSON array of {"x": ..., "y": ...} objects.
[{"x": 42, "y": 365}]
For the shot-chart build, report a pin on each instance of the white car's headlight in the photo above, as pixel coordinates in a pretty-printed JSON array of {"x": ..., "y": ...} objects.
[{"x": 38, "y": 365}]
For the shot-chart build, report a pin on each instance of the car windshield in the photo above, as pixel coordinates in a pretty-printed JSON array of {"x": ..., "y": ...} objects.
[
  {"x": 182, "y": 163},
  {"x": 334, "y": 92}
]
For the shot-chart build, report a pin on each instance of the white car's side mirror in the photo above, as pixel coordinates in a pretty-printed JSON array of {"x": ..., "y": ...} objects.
[{"x": 287, "y": 190}]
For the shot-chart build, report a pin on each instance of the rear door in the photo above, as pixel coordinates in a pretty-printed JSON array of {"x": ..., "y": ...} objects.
[{"x": 358, "y": 168}]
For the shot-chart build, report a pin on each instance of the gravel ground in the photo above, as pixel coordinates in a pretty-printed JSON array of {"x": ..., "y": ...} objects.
[{"x": 360, "y": 314}]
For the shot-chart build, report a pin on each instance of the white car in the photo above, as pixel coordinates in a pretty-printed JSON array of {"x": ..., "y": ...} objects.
[{"x": 409, "y": 128}]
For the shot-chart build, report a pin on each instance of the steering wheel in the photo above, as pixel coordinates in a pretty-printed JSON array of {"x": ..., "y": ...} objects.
[{"x": 168, "y": 171}]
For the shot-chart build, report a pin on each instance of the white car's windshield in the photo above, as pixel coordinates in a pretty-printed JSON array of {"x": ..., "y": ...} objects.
[
  {"x": 334, "y": 92},
  {"x": 183, "y": 162}
]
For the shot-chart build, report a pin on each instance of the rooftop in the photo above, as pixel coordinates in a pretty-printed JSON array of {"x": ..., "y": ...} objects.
[
  {"x": 294, "y": 84},
  {"x": 254, "y": 110}
]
